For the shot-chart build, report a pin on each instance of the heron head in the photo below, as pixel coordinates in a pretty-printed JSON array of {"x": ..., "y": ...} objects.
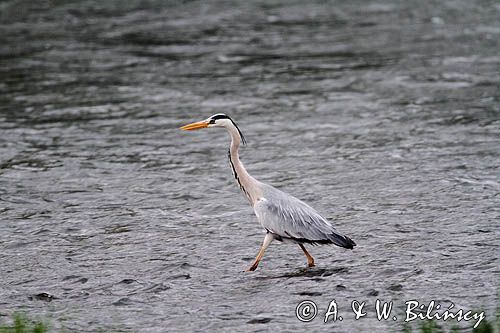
[{"x": 217, "y": 120}]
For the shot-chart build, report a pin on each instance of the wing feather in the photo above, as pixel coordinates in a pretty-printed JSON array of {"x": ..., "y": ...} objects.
[{"x": 289, "y": 217}]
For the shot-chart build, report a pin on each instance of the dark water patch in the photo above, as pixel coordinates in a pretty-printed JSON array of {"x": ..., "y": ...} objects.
[
  {"x": 231, "y": 316},
  {"x": 296, "y": 92},
  {"x": 309, "y": 273},
  {"x": 30, "y": 215},
  {"x": 355, "y": 59},
  {"x": 259, "y": 320},
  {"x": 180, "y": 277},
  {"x": 46, "y": 297},
  {"x": 29, "y": 164},
  {"x": 395, "y": 287},
  {"x": 42, "y": 231},
  {"x": 16, "y": 245},
  {"x": 309, "y": 293},
  {"x": 75, "y": 279},
  {"x": 366, "y": 24},
  {"x": 156, "y": 288},
  {"x": 118, "y": 229}
]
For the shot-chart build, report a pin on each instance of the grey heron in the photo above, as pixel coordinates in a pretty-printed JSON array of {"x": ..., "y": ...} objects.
[{"x": 284, "y": 217}]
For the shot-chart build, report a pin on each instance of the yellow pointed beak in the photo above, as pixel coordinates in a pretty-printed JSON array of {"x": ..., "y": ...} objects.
[{"x": 195, "y": 126}]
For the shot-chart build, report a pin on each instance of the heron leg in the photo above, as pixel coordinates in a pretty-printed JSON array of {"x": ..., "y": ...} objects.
[
  {"x": 310, "y": 259},
  {"x": 265, "y": 244}
]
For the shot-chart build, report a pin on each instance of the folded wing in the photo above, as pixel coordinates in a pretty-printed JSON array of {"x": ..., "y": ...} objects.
[{"x": 289, "y": 217}]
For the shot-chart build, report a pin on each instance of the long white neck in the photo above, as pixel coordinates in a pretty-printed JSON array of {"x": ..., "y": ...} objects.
[{"x": 248, "y": 184}]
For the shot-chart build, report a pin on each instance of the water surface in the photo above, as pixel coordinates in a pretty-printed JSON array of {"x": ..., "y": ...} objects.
[{"x": 384, "y": 116}]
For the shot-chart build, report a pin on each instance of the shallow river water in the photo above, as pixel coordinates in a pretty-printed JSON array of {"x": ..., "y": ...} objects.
[{"x": 383, "y": 115}]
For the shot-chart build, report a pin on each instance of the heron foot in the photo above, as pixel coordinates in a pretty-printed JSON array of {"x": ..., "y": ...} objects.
[
  {"x": 267, "y": 240},
  {"x": 253, "y": 267},
  {"x": 310, "y": 259}
]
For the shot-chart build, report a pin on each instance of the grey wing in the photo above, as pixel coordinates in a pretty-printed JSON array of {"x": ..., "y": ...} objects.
[{"x": 289, "y": 217}]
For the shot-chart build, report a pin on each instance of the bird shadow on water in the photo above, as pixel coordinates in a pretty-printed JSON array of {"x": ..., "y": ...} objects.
[{"x": 312, "y": 272}]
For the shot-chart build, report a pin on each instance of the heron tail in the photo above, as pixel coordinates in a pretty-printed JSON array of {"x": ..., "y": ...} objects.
[{"x": 342, "y": 241}]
